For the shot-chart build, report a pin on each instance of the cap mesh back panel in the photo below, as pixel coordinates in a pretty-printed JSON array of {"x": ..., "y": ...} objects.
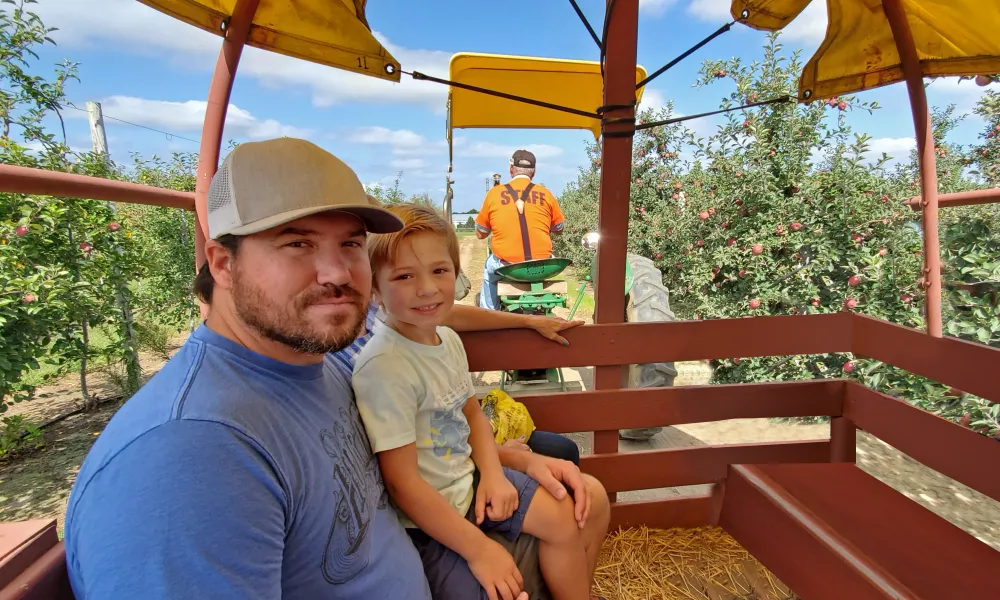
[{"x": 218, "y": 193}]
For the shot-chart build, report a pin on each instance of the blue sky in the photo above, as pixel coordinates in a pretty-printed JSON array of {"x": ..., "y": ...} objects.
[{"x": 149, "y": 69}]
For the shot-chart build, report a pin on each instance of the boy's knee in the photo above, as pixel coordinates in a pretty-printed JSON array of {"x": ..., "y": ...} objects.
[
  {"x": 600, "y": 508},
  {"x": 561, "y": 520}
]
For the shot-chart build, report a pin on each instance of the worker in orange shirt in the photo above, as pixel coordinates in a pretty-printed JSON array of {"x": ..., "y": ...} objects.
[{"x": 522, "y": 216}]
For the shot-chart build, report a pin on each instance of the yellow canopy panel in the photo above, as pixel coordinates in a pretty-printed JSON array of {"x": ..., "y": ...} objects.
[
  {"x": 572, "y": 83},
  {"x": 329, "y": 32},
  {"x": 953, "y": 37}
]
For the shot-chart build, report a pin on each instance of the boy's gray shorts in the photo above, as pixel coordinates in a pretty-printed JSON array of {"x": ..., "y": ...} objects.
[{"x": 448, "y": 574}]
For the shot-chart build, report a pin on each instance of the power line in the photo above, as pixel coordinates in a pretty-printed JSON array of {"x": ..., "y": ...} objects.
[{"x": 168, "y": 135}]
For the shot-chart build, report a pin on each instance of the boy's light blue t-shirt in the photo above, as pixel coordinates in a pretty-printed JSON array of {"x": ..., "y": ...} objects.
[{"x": 232, "y": 475}]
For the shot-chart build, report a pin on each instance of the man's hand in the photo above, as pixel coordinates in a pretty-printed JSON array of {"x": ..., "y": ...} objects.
[
  {"x": 495, "y": 498},
  {"x": 555, "y": 475},
  {"x": 550, "y": 327}
]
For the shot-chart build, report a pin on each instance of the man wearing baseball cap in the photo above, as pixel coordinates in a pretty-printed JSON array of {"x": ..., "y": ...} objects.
[
  {"x": 241, "y": 469},
  {"x": 521, "y": 216}
]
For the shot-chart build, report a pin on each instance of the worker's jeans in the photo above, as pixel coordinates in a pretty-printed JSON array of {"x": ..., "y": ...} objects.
[{"x": 488, "y": 295}]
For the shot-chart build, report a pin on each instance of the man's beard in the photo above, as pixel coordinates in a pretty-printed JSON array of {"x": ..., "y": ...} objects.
[{"x": 294, "y": 330}]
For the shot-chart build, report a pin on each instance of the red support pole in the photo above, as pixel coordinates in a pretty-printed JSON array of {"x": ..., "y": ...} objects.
[
  {"x": 237, "y": 30},
  {"x": 26, "y": 180},
  {"x": 931, "y": 279},
  {"x": 960, "y": 199},
  {"x": 616, "y": 176}
]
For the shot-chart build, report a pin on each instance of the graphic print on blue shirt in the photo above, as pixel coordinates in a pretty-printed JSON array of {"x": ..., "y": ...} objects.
[{"x": 358, "y": 489}]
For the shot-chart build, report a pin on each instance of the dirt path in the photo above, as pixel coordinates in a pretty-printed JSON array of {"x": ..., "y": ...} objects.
[{"x": 37, "y": 485}]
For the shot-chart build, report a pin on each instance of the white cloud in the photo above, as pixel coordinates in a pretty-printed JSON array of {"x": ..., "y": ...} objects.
[
  {"x": 655, "y": 7},
  {"x": 710, "y": 10},
  {"x": 809, "y": 26},
  {"x": 138, "y": 29},
  {"x": 474, "y": 149},
  {"x": 189, "y": 116},
  {"x": 652, "y": 98},
  {"x": 402, "y": 141},
  {"x": 898, "y": 148}
]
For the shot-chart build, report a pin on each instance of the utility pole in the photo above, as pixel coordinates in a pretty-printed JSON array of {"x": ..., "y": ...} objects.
[{"x": 132, "y": 368}]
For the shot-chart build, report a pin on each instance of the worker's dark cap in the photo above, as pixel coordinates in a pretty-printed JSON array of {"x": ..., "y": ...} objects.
[{"x": 523, "y": 158}]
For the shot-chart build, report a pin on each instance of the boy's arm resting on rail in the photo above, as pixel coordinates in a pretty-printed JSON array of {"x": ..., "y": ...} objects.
[
  {"x": 474, "y": 318},
  {"x": 190, "y": 509},
  {"x": 495, "y": 489}
]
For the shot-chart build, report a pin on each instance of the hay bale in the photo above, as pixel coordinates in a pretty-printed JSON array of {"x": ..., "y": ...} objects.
[{"x": 682, "y": 564}]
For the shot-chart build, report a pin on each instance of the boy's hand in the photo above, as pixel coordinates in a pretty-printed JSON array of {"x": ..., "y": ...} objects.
[
  {"x": 495, "y": 570},
  {"x": 497, "y": 492}
]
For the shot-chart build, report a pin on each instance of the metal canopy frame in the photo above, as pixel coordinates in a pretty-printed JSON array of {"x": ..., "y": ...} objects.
[{"x": 618, "y": 66}]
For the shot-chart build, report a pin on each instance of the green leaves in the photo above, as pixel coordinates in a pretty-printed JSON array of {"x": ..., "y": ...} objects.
[{"x": 800, "y": 183}]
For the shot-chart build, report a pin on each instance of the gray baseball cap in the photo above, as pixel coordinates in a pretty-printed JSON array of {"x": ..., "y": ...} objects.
[{"x": 264, "y": 184}]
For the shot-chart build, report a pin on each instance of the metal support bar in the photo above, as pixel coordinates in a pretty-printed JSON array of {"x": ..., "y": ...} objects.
[
  {"x": 960, "y": 199},
  {"x": 928, "y": 165},
  {"x": 616, "y": 175},
  {"x": 25, "y": 180},
  {"x": 237, "y": 29}
]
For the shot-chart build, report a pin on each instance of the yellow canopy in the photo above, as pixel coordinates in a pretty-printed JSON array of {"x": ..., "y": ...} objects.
[
  {"x": 572, "y": 83},
  {"x": 953, "y": 37},
  {"x": 328, "y": 32}
]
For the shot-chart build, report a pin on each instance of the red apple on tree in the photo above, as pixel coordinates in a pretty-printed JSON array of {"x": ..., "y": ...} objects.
[
  {"x": 21, "y": 231},
  {"x": 850, "y": 303},
  {"x": 796, "y": 226},
  {"x": 966, "y": 419},
  {"x": 853, "y": 280},
  {"x": 731, "y": 241},
  {"x": 814, "y": 301},
  {"x": 114, "y": 226},
  {"x": 703, "y": 215},
  {"x": 28, "y": 298},
  {"x": 757, "y": 249},
  {"x": 755, "y": 303},
  {"x": 849, "y": 367}
]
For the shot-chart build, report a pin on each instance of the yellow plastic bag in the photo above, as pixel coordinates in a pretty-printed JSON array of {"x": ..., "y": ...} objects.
[{"x": 508, "y": 417}]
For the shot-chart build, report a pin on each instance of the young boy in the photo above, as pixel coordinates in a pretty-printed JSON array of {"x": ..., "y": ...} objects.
[{"x": 434, "y": 444}]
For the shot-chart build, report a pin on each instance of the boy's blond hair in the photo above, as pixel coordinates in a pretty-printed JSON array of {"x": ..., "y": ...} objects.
[{"x": 417, "y": 218}]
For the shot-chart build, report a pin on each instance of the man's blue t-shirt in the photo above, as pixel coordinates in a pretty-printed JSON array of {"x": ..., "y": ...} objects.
[{"x": 232, "y": 475}]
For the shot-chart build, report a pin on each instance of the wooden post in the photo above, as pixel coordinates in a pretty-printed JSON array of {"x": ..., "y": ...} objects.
[
  {"x": 97, "y": 136},
  {"x": 132, "y": 368},
  {"x": 616, "y": 175}
]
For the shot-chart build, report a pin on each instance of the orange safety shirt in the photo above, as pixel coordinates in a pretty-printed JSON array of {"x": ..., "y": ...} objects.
[{"x": 518, "y": 237}]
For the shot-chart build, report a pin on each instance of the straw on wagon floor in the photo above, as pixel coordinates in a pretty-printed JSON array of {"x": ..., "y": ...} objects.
[{"x": 682, "y": 564}]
